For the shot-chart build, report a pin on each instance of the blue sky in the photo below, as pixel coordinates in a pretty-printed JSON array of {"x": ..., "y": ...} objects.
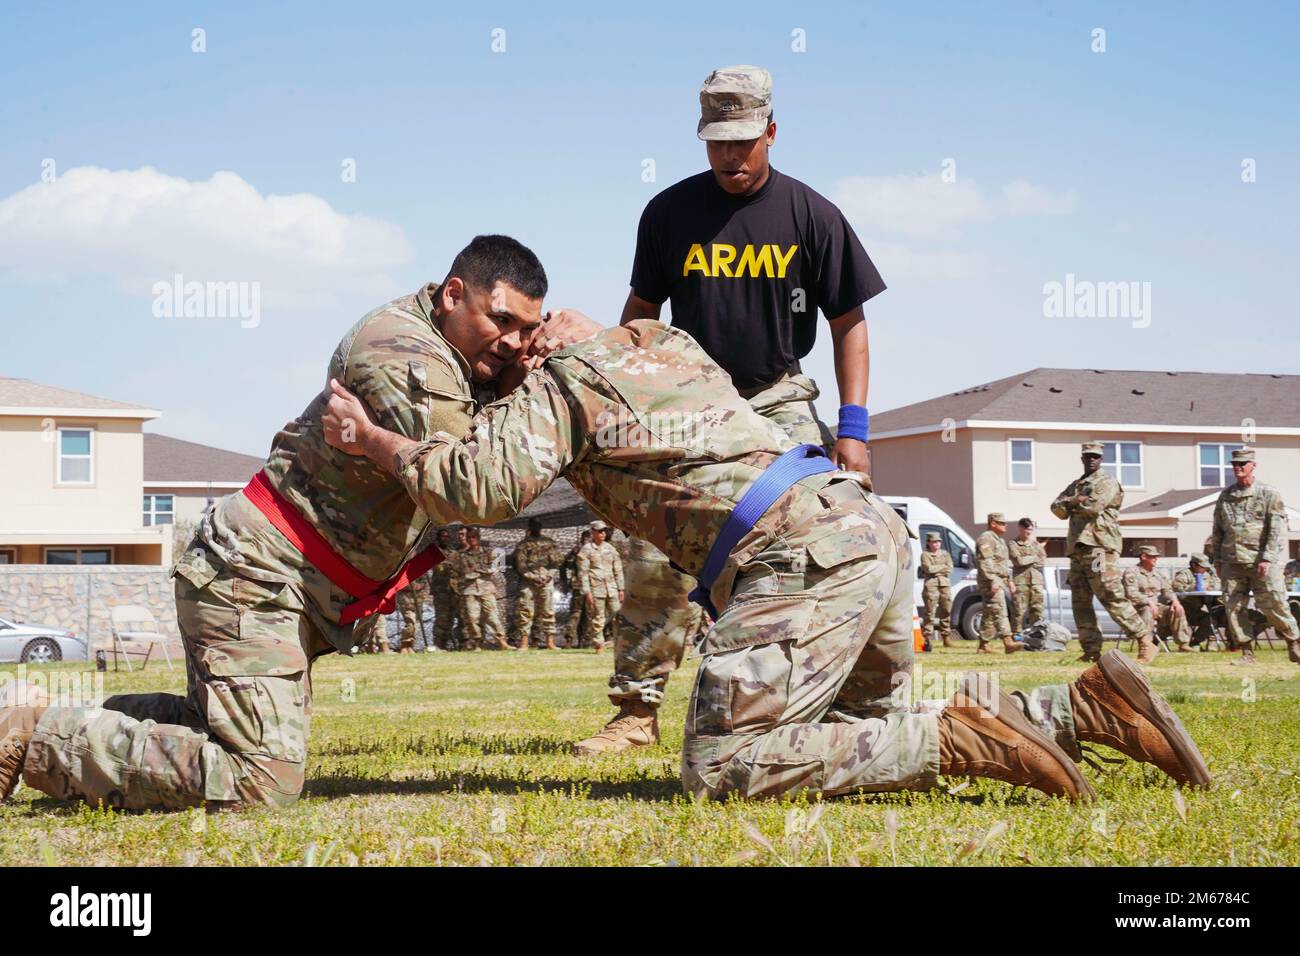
[{"x": 1124, "y": 165}]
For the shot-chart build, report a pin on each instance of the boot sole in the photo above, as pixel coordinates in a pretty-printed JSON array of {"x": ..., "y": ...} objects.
[
  {"x": 1138, "y": 693},
  {"x": 1010, "y": 714}
]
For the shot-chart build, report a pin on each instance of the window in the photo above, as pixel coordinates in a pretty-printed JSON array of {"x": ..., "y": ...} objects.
[
  {"x": 1021, "y": 451},
  {"x": 7, "y": 556},
  {"x": 76, "y": 466},
  {"x": 78, "y": 555},
  {"x": 158, "y": 509},
  {"x": 1122, "y": 460},
  {"x": 1216, "y": 465}
]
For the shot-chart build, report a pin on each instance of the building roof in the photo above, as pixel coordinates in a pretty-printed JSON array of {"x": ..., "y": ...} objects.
[
  {"x": 19, "y": 394},
  {"x": 1105, "y": 396},
  {"x": 173, "y": 460},
  {"x": 1171, "y": 503}
]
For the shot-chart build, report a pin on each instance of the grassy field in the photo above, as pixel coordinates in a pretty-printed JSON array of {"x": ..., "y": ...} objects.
[{"x": 465, "y": 759}]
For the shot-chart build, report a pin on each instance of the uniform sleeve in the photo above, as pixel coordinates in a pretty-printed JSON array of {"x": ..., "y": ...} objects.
[
  {"x": 1132, "y": 588},
  {"x": 516, "y": 448},
  {"x": 1064, "y": 502},
  {"x": 650, "y": 279},
  {"x": 411, "y": 397},
  {"x": 1272, "y": 546},
  {"x": 987, "y": 556},
  {"x": 584, "y": 571},
  {"x": 846, "y": 276},
  {"x": 618, "y": 570},
  {"x": 1103, "y": 494},
  {"x": 1216, "y": 534}
]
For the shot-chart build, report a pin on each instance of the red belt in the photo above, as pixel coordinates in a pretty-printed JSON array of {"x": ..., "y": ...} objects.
[{"x": 371, "y": 596}]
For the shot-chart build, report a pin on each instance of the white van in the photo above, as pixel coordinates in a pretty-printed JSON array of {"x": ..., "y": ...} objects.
[{"x": 925, "y": 516}]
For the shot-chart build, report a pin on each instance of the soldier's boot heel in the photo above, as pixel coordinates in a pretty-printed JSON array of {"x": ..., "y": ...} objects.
[
  {"x": 1114, "y": 704},
  {"x": 1147, "y": 651},
  {"x": 17, "y": 724},
  {"x": 1293, "y": 651},
  {"x": 984, "y": 647},
  {"x": 1011, "y": 645}
]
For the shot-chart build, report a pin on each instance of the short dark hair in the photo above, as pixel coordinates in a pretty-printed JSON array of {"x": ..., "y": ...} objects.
[
  {"x": 491, "y": 259},
  {"x": 442, "y": 533},
  {"x": 1026, "y": 522},
  {"x": 473, "y": 533},
  {"x": 534, "y": 524}
]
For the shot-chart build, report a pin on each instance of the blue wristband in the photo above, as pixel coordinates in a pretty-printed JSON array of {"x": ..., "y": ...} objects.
[{"x": 853, "y": 423}]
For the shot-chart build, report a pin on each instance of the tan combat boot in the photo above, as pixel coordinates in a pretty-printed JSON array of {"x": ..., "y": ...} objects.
[
  {"x": 1000, "y": 743},
  {"x": 635, "y": 725},
  {"x": 1147, "y": 650},
  {"x": 17, "y": 724},
  {"x": 1114, "y": 704},
  {"x": 1293, "y": 651},
  {"x": 950, "y": 641},
  {"x": 1247, "y": 656},
  {"x": 1011, "y": 645},
  {"x": 550, "y": 641}
]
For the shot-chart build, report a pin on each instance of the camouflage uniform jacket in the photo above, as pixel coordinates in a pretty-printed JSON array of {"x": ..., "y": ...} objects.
[
  {"x": 535, "y": 559},
  {"x": 440, "y": 578},
  {"x": 569, "y": 570},
  {"x": 601, "y": 570},
  {"x": 474, "y": 572},
  {"x": 695, "y": 446},
  {"x": 937, "y": 564},
  {"x": 1026, "y": 554},
  {"x": 1141, "y": 586},
  {"x": 415, "y": 383},
  {"x": 1094, "y": 523},
  {"x": 1185, "y": 580},
  {"x": 992, "y": 563},
  {"x": 1249, "y": 525}
]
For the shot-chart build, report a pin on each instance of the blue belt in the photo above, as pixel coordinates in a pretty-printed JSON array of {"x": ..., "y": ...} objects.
[{"x": 795, "y": 465}]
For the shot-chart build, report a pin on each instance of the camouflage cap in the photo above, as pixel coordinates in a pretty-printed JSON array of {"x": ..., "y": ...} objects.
[
  {"x": 599, "y": 526},
  {"x": 735, "y": 103},
  {"x": 932, "y": 536},
  {"x": 1149, "y": 549},
  {"x": 997, "y": 516},
  {"x": 1242, "y": 454},
  {"x": 1202, "y": 559},
  {"x": 1091, "y": 448}
]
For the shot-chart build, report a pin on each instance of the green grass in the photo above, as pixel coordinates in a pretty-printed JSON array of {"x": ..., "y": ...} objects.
[{"x": 464, "y": 759}]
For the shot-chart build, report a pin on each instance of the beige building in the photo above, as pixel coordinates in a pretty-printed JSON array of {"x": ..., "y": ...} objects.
[
  {"x": 71, "y": 469},
  {"x": 182, "y": 478},
  {"x": 1013, "y": 445}
]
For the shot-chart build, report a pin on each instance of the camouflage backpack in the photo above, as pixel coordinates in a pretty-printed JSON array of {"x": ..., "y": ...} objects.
[{"x": 1045, "y": 636}]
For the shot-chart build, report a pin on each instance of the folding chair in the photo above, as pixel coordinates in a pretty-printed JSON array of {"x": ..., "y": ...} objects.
[{"x": 137, "y": 625}]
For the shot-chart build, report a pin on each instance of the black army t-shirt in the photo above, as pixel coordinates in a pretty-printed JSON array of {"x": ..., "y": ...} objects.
[{"x": 746, "y": 275}]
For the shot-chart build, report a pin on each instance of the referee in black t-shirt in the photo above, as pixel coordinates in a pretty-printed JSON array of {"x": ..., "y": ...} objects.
[{"x": 747, "y": 256}]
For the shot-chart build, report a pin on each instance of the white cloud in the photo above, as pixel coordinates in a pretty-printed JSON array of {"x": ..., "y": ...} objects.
[
  {"x": 927, "y": 207},
  {"x": 141, "y": 226}
]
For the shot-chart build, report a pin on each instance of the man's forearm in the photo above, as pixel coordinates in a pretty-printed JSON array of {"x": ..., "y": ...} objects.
[
  {"x": 383, "y": 447},
  {"x": 852, "y": 356}
]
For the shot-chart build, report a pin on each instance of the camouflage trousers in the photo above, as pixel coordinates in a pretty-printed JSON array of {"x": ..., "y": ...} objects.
[
  {"x": 1095, "y": 571},
  {"x": 445, "y": 605},
  {"x": 239, "y": 735},
  {"x": 576, "y": 626},
  {"x": 534, "y": 611},
  {"x": 410, "y": 604},
  {"x": 371, "y": 634},
  {"x": 480, "y": 613},
  {"x": 658, "y": 620},
  {"x": 994, "y": 625},
  {"x": 937, "y": 596},
  {"x": 1239, "y": 582},
  {"x": 1168, "y": 621},
  {"x": 601, "y": 611},
  {"x": 1028, "y": 604},
  {"x": 796, "y": 691},
  {"x": 1200, "y": 620}
]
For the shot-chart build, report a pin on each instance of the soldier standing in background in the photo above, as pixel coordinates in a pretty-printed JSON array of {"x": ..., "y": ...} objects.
[
  {"x": 1197, "y": 576},
  {"x": 535, "y": 560},
  {"x": 601, "y": 571},
  {"x": 474, "y": 578},
  {"x": 410, "y": 604},
  {"x": 371, "y": 634},
  {"x": 1151, "y": 595},
  {"x": 1091, "y": 503},
  {"x": 936, "y": 591},
  {"x": 1028, "y": 556},
  {"x": 445, "y": 600},
  {"x": 993, "y": 566},
  {"x": 1248, "y": 544},
  {"x": 576, "y": 625}
]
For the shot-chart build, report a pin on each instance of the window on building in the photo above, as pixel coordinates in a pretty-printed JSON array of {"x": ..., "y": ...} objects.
[
  {"x": 1122, "y": 460},
  {"x": 1216, "y": 465},
  {"x": 1021, "y": 451},
  {"x": 76, "y": 465},
  {"x": 78, "y": 555},
  {"x": 159, "y": 509},
  {"x": 8, "y": 556}
]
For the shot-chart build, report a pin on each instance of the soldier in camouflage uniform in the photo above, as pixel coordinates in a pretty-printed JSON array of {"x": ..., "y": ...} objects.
[
  {"x": 1199, "y": 575},
  {"x": 798, "y": 686},
  {"x": 1149, "y": 591},
  {"x": 410, "y": 604},
  {"x": 536, "y": 559},
  {"x": 371, "y": 634},
  {"x": 601, "y": 571},
  {"x": 1091, "y": 503},
  {"x": 253, "y": 611},
  {"x": 993, "y": 575},
  {"x": 474, "y": 578},
  {"x": 1248, "y": 544},
  {"x": 445, "y": 600},
  {"x": 1028, "y": 556},
  {"x": 936, "y": 591},
  {"x": 576, "y": 625}
]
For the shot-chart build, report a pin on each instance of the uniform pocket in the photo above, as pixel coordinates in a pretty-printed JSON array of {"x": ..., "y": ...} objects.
[
  {"x": 197, "y": 565},
  {"x": 254, "y": 694}
]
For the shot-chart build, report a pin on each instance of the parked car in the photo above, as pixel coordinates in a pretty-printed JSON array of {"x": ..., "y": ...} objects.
[
  {"x": 925, "y": 516},
  {"x": 32, "y": 644}
]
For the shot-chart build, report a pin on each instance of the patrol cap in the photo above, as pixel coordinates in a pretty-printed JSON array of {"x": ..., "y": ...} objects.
[
  {"x": 599, "y": 526},
  {"x": 1149, "y": 549},
  {"x": 932, "y": 536},
  {"x": 997, "y": 516},
  {"x": 735, "y": 103},
  {"x": 1202, "y": 559},
  {"x": 1091, "y": 448},
  {"x": 1245, "y": 453}
]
